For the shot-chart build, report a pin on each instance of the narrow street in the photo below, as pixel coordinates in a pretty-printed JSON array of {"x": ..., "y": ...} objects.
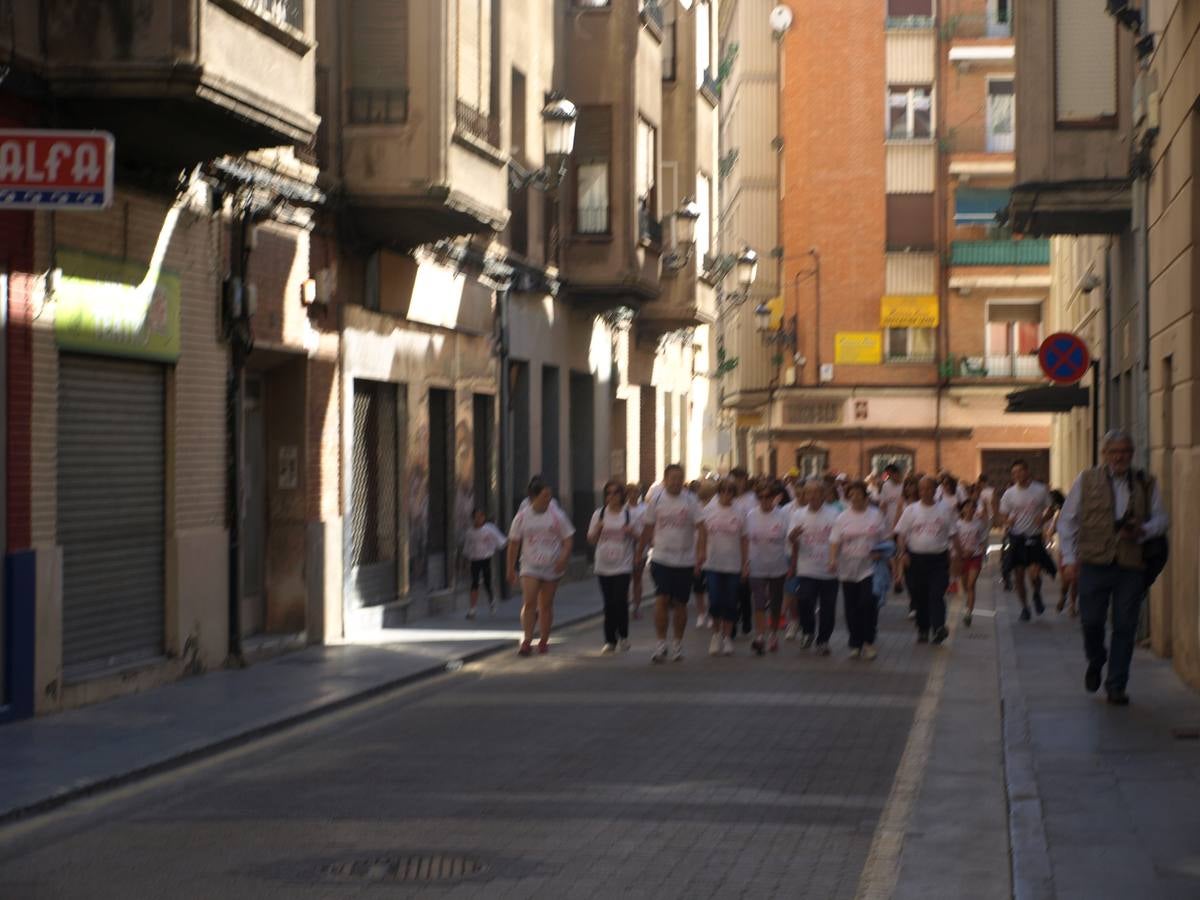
[{"x": 578, "y": 775}]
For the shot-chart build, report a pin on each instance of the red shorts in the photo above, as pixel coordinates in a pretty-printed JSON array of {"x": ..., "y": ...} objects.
[{"x": 972, "y": 564}]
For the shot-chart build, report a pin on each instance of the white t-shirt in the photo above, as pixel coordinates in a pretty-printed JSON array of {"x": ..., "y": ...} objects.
[
  {"x": 768, "y": 543},
  {"x": 856, "y": 533},
  {"x": 890, "y": 493},
  {"x": 812, "y": 546},
  {"x": 674, "y": 518},
  {"x": 541, "y": 536},
  {"x": 972, "y": 536},
  {"x": 1026, "y": 504},
  {"x": 482, "y": 543},
  {"x": 725, "y": 527},
  {"x": 926, "y": 529},
  {"x": 615, "y": 548}
]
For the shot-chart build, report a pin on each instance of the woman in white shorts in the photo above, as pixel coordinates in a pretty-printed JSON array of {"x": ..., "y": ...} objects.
[{"x": 541, "y": 537}]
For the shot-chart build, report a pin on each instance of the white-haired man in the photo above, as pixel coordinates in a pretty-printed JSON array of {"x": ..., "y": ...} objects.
[{"x": 1110, "y": 512}]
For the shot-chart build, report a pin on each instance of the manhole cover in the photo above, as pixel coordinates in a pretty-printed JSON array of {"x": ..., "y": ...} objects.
[{"x": 404, "y": 868}]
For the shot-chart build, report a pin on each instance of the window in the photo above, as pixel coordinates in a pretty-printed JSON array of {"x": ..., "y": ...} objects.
[
  {"x": 910, "y": 112},
  {"x": 910, "y": 222},
  {"x": 668, "y": 44},
  {"x": 1085, "y": 65},
  {"x": 910, "y": 344},
  {"x": 378, "y": 92},
  {"x": 647, "y": 178},
  {"x": 999, "y": 18},
  {"x": 906, "y": 9},
  {"x": 593, "y": 149},
  {"x": 1000, "y": 124},
  {"x": 902, "y": 457},
  {"x": 478, "y": 36},
  {"x": 1014, "y": 329},
  {"x": 811, "y": 461},
  {"x": 518, "y": 198},
  {"x": 703, "y": 42},
  {"x": 704, "y": 227}
]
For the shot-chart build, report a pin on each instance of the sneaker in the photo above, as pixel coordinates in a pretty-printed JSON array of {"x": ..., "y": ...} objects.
[
  {"x": 714, "y": 646},
  {"x": 1091, "y": 681},
  {"x": 526, "y": 649},
  {"x": 625, "y": 645},
  {"x": 608, "y": 648},
  {"x": 470, "y": 614},
  {"x": 700, "y": 621},
  {"x": 773, "y": 644},
  {"x": 1025, "y": 616},
  {"x": 806, "y": 641},
  {"x": 868, "y": 651},
  {"x": 823, "y": 650},
  {"x": 544, "y": 646},
  {"x": 912, "y": 613},
  {"x": 967, "y": 619},
  {"x": 727, "y": 646},
  {"x": 758, "y": 646},
  {"x": 793, "y": 629},
  {"x": 941, "y": 634},
  {"x": 922, "y": 637},
  {"x": 1118, "y": 698},
  {"x": 855, "y": 652},
  {"x": 1037, "y": 602},
  {"x": 660, "y": 653},
  {"x": 677, "y": 652}
]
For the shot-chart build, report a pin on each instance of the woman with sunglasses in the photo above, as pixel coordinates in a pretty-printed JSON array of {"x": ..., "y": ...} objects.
[
  {"x": 721, "y": 553},
  {"x": 541, "y": 537},
  {"x": 614, "y": 533}
]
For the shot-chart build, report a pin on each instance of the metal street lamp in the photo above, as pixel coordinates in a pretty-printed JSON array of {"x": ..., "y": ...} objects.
[
  {"x": 559, "y": 119},
  {"x": 747, "y": 269},
  {"x": 686, "y": 218}
]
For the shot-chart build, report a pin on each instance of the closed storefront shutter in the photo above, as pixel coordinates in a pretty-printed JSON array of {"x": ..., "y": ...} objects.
[
  {"x": 374, "y": 520},
  {"x": 111, "y": 516}
]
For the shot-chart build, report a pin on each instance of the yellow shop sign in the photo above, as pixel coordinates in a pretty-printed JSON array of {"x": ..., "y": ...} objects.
[
  {"x": 908, "y": 311},
  {"x": 858, "y": 348}
]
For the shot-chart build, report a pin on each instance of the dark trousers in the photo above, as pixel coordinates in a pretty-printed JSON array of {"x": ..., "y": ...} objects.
[
  {"x": 929, "y": 576},
  {"x": 745, "y": 606},
  {"x": 723, "y": 591},
  {"x": 481, "y": 570},
  {"x": 615, "y": 590},
  {"x": 862, "y": 612},
  {"x": 811, "y": 592},
  {"x": 1125, "y": 588}
]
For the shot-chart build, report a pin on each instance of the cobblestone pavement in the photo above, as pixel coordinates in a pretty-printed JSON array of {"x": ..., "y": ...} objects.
[{"x": 572, "y": 775}]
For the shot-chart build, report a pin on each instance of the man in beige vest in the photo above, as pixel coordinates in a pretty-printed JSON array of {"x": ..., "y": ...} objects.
[{"x": 1109, "y": 513}]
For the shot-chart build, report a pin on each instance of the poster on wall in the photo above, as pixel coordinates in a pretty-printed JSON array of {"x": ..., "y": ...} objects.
[
  {"x": 858, "y": 348},
  {"x": 905, "y": 311}
]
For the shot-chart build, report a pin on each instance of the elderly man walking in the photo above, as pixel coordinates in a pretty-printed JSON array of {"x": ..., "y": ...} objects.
[{"x": 1108, "y": 516}]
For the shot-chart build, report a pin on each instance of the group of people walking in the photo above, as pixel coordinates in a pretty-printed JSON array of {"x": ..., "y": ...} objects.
[{"x": 773, "y": 555}]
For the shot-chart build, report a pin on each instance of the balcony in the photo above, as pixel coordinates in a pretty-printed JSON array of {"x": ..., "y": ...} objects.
[
  {"x": 183, "y": 82},
  {"x": 710, "y": 88},
  {"x": 377, "y": 106},
  {"x": 1008, "y": 367},
  {"x": 1029, "y": 252},
  {"x": 652, "y": 14},
  {"x": 480, "y": 126},
  {"x": 909, "y": 23}
]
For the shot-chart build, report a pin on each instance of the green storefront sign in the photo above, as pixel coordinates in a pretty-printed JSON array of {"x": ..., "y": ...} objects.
[{"x": 116, "y": 308}]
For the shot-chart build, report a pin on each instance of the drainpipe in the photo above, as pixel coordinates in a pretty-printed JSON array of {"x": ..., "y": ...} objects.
[{"x": 505, "y": 449}]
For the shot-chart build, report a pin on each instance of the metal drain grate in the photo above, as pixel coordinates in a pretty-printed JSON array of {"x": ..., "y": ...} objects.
[{"x": 404, "y": 868}]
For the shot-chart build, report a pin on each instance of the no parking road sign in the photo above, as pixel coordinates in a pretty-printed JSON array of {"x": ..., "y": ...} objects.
[{"x": 1064, "y": 357}]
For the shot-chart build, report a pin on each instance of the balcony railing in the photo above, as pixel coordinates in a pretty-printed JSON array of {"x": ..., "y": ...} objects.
[
  {"x": 1029, "y": 252},
  {"x": 378, "y": 106},
  {"x": 477, "y": 124},
  {"x": 652, "y": 11},
  {"x": 281, "y": 12},
  {"x": 897, "y": 23},
  {"x": 1009, "y": 366},
  {"x": 710, "y": 86},
  {"x": 650, "y": 229}
]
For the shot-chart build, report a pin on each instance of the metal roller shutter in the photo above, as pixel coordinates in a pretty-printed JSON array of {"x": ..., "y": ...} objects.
[
  {"x": 374, "y": 521},
  {"x": 111, "y": 519}
]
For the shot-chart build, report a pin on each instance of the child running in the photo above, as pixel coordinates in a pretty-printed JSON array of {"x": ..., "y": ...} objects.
[
  {"x": 767, "y": 536},
  {"x": 614, "y": 533},
  {"x": 480, "y": 544},
  {"x": 970, "y": 540},
  {"x": 541, "y": 537}
]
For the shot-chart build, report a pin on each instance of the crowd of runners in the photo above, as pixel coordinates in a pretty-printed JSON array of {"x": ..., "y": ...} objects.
[{"x": 770, "y": 557}]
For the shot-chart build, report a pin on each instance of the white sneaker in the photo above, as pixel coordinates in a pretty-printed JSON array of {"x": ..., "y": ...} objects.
[
  {"x": 714, "y": 646},
  {"x": 855, "y": 653},
  {"x": 700, "y": 621},
  {"x": 609, "y": 648},
  {"x": 677, "y": 652},
  {"x": 727, "y": 646},
  {"x": 625, "y": 645},
  {"x": 792, "y": 630},
  {"x": 868, "y": 651},
  {"x": 660, "y": 653}
]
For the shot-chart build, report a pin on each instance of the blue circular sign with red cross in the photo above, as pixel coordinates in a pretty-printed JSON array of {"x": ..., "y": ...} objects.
[{"x": 1064, "y": 357}]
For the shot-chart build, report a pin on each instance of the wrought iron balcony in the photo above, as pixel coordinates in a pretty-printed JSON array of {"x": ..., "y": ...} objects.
[
  {"x": 652, "y": 11},
  {"x": 1007, "y": 366},
  {"x": 477, "y": 124}
]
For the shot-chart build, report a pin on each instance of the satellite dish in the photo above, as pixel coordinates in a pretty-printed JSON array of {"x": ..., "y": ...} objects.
[{"x": 781, "y": 19}]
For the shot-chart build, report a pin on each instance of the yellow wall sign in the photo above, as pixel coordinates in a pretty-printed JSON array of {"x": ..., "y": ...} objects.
[
  {"x": 902, "y": 311},
  {"x": 858, "y": 348}
]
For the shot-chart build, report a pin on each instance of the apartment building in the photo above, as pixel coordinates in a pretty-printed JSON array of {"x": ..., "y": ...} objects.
[
  {"x": 910, "y": 311},
  {"x": 159, "y": 345}
]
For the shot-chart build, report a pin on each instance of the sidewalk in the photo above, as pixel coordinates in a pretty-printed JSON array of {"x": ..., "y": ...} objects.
[{"x": 45, "y": 762}]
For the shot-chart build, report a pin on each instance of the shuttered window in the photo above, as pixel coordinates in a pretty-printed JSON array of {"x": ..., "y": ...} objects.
[
  {"x": 1085, "y": 63},
  {"x": 902, "y": 9},
  {"x": 475, "y": 54},
  {"x": 379, "y": 62},
  {"x": 910, "y": 222},
  {"x": 593, "y": 153}
]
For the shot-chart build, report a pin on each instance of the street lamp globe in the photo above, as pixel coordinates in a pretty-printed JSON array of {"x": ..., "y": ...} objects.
[
  {"x": 559, "y": 117},
  {"x": 686, "y": 218},
  {"x": 747, "y": 268},
  {"x": 762, "y": 318}
]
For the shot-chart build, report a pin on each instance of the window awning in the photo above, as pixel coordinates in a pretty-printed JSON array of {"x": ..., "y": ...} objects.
[{"x": 978, "y": 206}]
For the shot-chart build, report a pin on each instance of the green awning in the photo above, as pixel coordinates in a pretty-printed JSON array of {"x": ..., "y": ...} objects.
[{"x": 978, "y": 206}]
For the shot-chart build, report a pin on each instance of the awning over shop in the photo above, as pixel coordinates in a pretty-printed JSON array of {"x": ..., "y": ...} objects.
[{"x": 978, "y": 206}]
